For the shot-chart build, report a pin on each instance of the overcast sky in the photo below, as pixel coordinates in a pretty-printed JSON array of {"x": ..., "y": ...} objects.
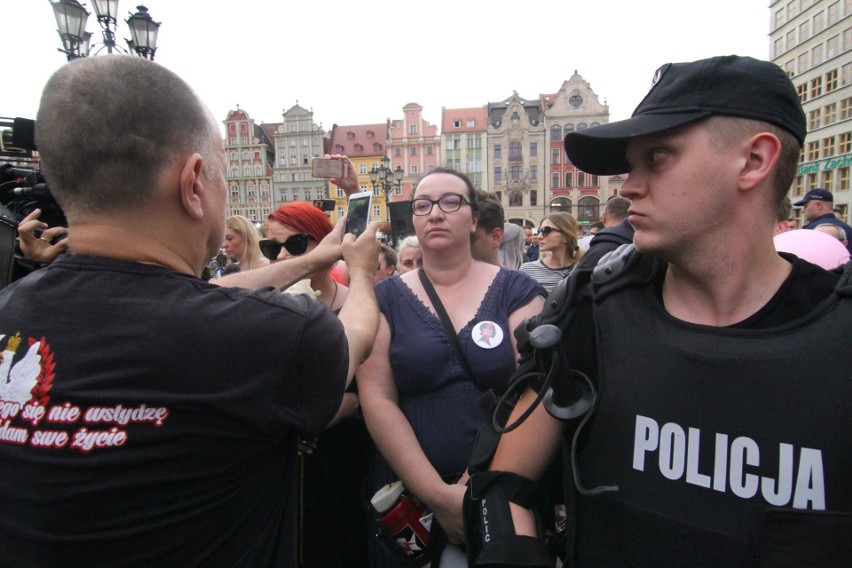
[{"x": 361, "y": 62}]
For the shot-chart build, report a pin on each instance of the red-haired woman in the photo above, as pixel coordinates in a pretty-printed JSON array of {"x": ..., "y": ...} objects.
[{"x": 334, "y": 466}]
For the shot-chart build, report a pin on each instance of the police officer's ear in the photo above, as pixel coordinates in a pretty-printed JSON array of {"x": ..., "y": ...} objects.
[{"x": 761, "y": 153}]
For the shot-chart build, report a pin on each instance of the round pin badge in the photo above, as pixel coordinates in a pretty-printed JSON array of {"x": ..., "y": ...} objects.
[{"x": 487, "y": 334}]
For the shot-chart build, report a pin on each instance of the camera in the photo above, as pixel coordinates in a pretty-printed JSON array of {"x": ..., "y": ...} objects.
[{"x": 22, "y": 190}]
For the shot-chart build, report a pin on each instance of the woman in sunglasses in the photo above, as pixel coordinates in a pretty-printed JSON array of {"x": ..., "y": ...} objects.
[
  {"x": 558, "y": 235},
  {"x": 420, "y": 396},
  {"x": 242, "y": 243},
  {"x": 334, "y": 465}
]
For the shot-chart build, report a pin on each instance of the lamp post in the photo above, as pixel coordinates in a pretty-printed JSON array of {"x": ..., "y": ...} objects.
[
  {"x": 71, "y": 19},
  {"x": 386, "y": 178}
]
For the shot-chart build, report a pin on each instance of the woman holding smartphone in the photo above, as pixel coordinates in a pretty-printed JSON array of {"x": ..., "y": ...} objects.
[{"x": 420, "y": 400}]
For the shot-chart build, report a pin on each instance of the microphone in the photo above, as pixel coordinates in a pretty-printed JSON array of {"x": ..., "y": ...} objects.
[{"x": 37, "y": 190}]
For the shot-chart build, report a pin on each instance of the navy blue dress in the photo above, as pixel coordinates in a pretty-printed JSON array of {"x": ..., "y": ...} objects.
[{"x": 436, "y": 396}]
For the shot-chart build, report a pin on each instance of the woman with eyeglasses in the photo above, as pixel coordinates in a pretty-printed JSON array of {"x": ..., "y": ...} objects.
[
  {"x": 419, "y": 394},
  {"x": 334, "y": 465},
  {"x": 242, "y": 243},
  {"x": 558, "y": 235}
]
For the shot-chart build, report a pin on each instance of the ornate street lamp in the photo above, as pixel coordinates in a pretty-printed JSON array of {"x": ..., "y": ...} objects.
[
  {"x": 71, "y": 19},
  {"x": 387, "y": 178}
]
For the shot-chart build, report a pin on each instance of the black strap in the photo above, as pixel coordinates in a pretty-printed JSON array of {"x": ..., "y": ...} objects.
[{"x": 445, "y": 320}]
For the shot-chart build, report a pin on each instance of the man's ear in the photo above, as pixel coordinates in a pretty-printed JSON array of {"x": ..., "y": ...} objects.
[
  {"x": 763, "y": 151},
  {"x": 192, "y": 186}
]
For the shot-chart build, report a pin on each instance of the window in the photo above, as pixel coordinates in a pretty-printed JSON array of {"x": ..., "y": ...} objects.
[
  {"x": 471, "y": 123},
  {"x": 828, "y": 180},
  {"x": 847, "y": 39},
  {"x": 843, "y": 177},
  {"x": 498, "y": 174},
  {"x": 515, "y": 172},
  {"x": 804, "y": 62},
  {"x": 804, "y": 30},
  {"x": 533, "y": 149},
  {"x": 412, "y": 129},
  {"x": 814, "y": 119},
  {"x": 803, "y": 91},
  {"x": 397, "y": 189},
  {"x": 516, "y": 199},
  {"x": 581, "y": 179},
  {"x": 828, "y": 147},
  {"x": 554, "y": 180},
  {"x": 376, "y": 189},
  {"x": 515, "y": 151},
  {"x": 816, "y": 87},
  {"x": 555, "y": 155},
  {"x": 498, "y": 151},
  {"x": 414, "y": 150},
  {"x": 813, "y": 151},
  {"x": 359, "y": 148},
  {"x": 791, "y": 39},
  {"x": 830, "y": 114},
  {"x": 555, "y": 132},
  {"x": 593, "y": 181},
  {"x": 457, "y": 124},
  {"x": 817, "y": 54},
  {"x": 533, "y": 172},
  {"x": 474, "y": 142},
  {"x": 569, "y": 179},
  {"x": 569, "y": 128},
  {"x": 846, "y": 108},
  {"x": 779, "y": 18},
  {"x": 779, "y": 46},
  {"x": 587, "y": 209},
  {"x": 339, "y": 212},
  {"x": 832, "y": 46},
  {"x": 533, "y": 198},
  {"x": 811, "y": 181},
  {"x": 377, "y": 212},
  {"x": 819, "y": 22},
  {"x": 453, "y": 143},
  {"x": 235, "y": 191},
  {"x": 833, "y": 13},
  {"x": 844, "y": 143},
  {"x": 413, "y": 169},
  {"x": 831, "y": 80},
  {"x": 792, "y": 9}
]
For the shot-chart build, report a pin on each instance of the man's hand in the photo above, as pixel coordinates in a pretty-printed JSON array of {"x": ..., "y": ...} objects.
[
  {"x": 35, "y": 238},
  {"x": 362, "y": 253},
  {"x": 349, "y": 184}
]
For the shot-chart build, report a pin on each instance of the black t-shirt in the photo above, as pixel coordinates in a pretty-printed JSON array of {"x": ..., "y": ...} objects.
[{"x": 159, "y": 429}]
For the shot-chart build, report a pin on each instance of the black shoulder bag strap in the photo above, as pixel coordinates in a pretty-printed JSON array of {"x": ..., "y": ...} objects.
[{"x": 445, "y": 320}]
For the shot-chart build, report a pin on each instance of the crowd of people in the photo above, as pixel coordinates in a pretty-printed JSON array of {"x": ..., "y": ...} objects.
[{"x": 710, "y": 435}]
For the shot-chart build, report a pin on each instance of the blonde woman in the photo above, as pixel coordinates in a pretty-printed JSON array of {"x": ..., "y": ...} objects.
[
  {"x": 242, "y": 243},
  {"x": 558, "y": 235}
]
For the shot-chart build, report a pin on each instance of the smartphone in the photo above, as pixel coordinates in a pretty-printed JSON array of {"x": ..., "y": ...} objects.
[
  {"x": 329, "y": 168},
  {"x": 358, "y": 212},
  {"x": 324, "y": 204}
]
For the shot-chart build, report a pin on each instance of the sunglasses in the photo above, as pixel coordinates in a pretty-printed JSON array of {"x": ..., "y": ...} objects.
[
  {"x": 295, "y": 245},
  {"x": 544, "y": 231}
]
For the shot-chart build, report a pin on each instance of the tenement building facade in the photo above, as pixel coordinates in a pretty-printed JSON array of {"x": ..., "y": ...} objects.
[
  {"x": 812, "y": 41},
  {"x": 249, "y": 175}
]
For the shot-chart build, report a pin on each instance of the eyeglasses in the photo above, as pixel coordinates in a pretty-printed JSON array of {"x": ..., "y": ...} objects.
[
  {"x": 447, "y": 203},
  {"x": 295, "y": 245},
  {"x": 544, "y": 231}
]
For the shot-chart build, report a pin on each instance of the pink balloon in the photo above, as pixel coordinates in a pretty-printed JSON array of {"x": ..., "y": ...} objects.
[{"x": 814, "y": 246}]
